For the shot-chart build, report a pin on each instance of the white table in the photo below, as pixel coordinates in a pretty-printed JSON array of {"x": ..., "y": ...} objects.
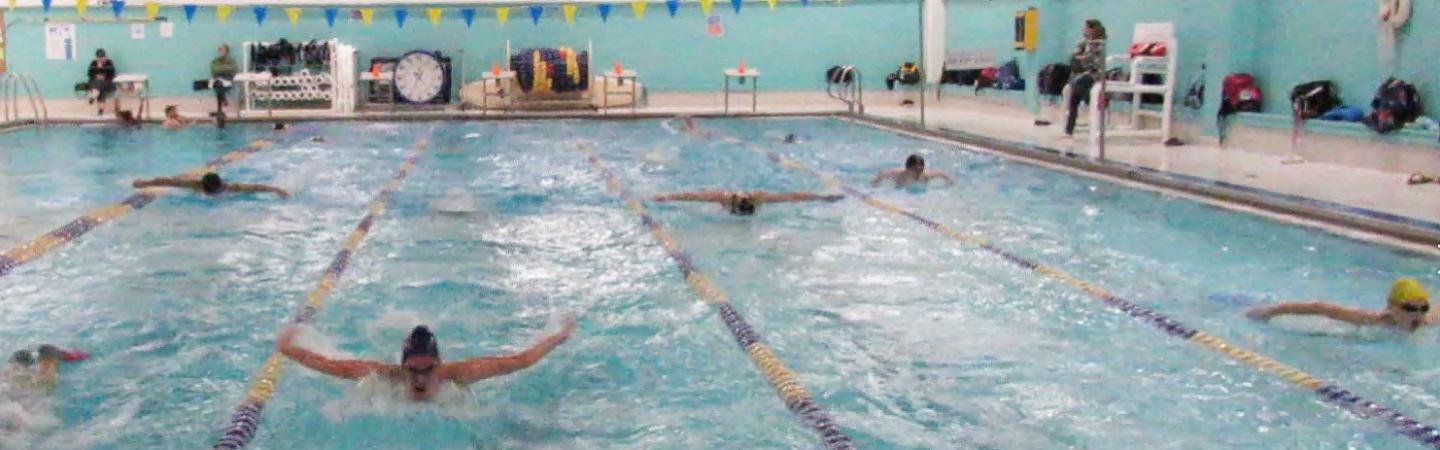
[
  {"x": 373, "y": 77},
  {"x": 619, "y": 78},
  {"x": 504, "y": 82},
  {"x": 248, "y": 81},
  {"x": 753, "y": 75},
  {"x": 136, "y": 84}
]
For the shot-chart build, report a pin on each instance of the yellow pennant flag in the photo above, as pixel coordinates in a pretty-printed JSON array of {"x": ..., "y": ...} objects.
[
  {"x": 502, "y": 14},
  {"x": 11, "y": 3},
  {"x": 80, "y": 6},
  {"x": 771, "y": 2},
  {"x": 705, "y": 6},
  {"x": 223, "y": 11},
  {"x": 434, "y": 15},
  {"x": 294, "y": 14},
  {"x": 367, "y": 15},
  {"x": 569, "y": 11},
  {"x": 152, "y": 9},
  {"x": 638, "y": 6}
]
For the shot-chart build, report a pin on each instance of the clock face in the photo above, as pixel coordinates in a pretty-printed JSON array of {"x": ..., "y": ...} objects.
[{"x": 419, "y": 77}]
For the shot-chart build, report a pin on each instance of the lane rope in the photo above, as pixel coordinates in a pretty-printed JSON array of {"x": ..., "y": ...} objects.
[
  {"x": 35, "y": 248},
  {"x": 1395, "y": 420},
  {"x": 786, "y": 384},
  {"x": 245, "y": 421}
]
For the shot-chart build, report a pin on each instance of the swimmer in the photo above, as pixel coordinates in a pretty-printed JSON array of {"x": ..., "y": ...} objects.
[
  {"x": 27, "y": 383},
  {"x": 279, "y": 126},
  {"x": 744, "y": 203},
  {"x": 1406, "y": 309},
  {"x": 127, "y": 118},
  {"x": 210, "y": 184},
  {"x": 692, "y": 128},
  {"x": 792, "y": 139},
  {"x": 420, "y": 367},
  {"x": 173, "y": 120},
  {"x": 914, "y": 172}
]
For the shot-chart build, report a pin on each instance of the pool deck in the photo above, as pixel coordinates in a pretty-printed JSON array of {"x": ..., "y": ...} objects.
[{"x": 1359, "y": 194}]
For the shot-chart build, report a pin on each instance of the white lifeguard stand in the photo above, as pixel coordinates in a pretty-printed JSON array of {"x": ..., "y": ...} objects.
[{"x": 1135, "y": 87}]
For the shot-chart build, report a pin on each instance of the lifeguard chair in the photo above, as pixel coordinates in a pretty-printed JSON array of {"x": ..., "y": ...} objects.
[{"x": 1135, "y": 87}]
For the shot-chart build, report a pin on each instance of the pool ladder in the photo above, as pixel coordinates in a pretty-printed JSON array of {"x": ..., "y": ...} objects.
[
  {"x": 846, "y": 86},
  {"x": 11, "y": 86}
]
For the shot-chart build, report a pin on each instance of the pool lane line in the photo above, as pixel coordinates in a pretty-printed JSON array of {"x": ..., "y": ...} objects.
[
  {"x": 245, "y": 421},
  {"x": 29, "y": 251},
  {"x": 786, "y": 384},
  {"x": 1397, "y": 421}
]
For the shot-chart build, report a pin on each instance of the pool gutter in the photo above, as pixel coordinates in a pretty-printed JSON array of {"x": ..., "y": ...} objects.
[
  {"x": 1351, "y": 222},
  {"x": 15, "y": 125}
]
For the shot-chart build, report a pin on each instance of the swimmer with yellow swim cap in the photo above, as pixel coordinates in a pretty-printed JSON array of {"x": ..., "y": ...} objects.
[{"x": 1406, "y": 309}]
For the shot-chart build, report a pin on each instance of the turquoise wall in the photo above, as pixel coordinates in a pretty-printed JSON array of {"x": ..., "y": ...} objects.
[
  {"x": 791, "y": 45},
  {"x": 1283, "y": 43}
]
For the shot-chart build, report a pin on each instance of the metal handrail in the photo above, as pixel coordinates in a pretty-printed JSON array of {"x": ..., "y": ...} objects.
[
  {"x": 11, "y": 85},
  {"x": 852, "y": 92}
]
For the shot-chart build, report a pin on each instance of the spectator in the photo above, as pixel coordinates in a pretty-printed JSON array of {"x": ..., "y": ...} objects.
[{"x": 100, "y": 79}]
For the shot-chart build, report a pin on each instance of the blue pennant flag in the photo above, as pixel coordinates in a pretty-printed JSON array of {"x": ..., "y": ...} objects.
[
  {"x": 736, "y": 4},
  {"x": 673, "y": 6},
  {"x": 260, "y": 12},
  {"x": 118, "y": 6},
  {"x": 804, "y": 2},
  {"x": 535, "y": 12},
  {"x": 189, "y": 12},
  {"x": 604, "y": 11},
  {"x": 469, "y": 15},
  {"x": 400, "y": 15},
  {"x": 45, "y": 4},
  {"x": 330, "y": 15}
]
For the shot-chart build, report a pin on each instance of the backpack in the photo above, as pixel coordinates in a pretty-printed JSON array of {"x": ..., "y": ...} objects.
[
  {"x": 1195, "y": 95},
  {"x": 1008, "y": 77},
  {"x": 840, "y": 75},
  {"x": 1395, "y": 105},
  {"x": 1239, "y": 93},
  {"x": 1053, "y": 78},
  {"x": 1314, "y": 99}
]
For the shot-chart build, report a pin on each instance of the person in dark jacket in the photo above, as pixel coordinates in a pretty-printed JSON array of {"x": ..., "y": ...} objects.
[
  {"x": 1088, "y": 65},
  {"x": 100, "y": 78}
]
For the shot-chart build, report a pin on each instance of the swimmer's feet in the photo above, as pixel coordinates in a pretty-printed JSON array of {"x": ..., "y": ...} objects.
[{"x": 1419, "y": 178}]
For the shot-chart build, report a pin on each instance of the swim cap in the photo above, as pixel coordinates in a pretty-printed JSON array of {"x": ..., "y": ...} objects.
[
  {"x": 1406, "y": 290},
  {"x": 743, "y": 205},
  {"x": 23, "y": 357},
  {"x": 211, "y": 183},
  {"x": 420, "y": 343}
]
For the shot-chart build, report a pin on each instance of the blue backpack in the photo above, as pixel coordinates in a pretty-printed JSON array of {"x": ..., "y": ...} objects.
[{"x": 1008, "y": 77}]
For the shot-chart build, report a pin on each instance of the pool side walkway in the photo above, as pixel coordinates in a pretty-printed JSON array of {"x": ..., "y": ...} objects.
[{"x": 993, "y": 118}]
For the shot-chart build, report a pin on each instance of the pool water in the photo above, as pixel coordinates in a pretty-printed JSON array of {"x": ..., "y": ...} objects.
[{"x": 910, "y": 339}]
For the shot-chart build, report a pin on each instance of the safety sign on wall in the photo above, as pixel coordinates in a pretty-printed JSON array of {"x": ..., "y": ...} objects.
[{"x": 60, "y": 42}]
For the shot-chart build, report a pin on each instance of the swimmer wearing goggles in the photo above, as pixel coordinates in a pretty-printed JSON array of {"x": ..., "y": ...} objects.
[
  {"x": 1406, "y": 309},
  {"x": 420, "y": 368},
  {"x": 744, "y": 203}
]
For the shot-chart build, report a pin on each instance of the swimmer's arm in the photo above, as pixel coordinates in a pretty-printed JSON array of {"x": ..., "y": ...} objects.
[
  {"x": 179, "y": 182},
  {"x": 949, "y": 180},
  {"x": 341, "y": 368},
  {"x": 881, "y": 177},
  {"x": 778, "y": 197},
  {"x": 1323, "y": 309},
  {"x": 48, "y": 376},
  {"x": 704, "y": 196},
  {"x": 475, "y": 369},
  {"x": 248, "y": 187}
]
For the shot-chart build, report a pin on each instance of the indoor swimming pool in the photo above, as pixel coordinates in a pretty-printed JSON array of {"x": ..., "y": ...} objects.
[{"x": 907, "y": 338}]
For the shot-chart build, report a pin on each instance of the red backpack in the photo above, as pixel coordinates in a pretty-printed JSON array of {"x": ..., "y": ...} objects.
[{"x": 1240, "y": 93}]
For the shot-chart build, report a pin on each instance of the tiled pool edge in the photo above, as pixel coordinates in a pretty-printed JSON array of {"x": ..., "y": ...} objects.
[{"x": 1417, "y": 234}]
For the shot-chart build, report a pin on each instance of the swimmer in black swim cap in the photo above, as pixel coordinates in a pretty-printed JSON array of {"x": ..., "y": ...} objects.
[
  {"x": 914, "y": 172},
  {"x": 744, "y": 203},
  {"x": 420, "y": 368},
  {"x": 210, "y": 184}
]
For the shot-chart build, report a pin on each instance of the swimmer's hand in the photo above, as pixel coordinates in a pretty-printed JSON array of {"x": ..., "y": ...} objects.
[
  {"x": 286, "y": 338},
  {"x": 567, "y": 330},
  {"x": 1261, "y": 313},
  {"x": 832, "y": 198}
]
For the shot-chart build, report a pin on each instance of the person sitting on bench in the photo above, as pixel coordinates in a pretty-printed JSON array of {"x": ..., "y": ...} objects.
[{"x": 100, "y": 81}]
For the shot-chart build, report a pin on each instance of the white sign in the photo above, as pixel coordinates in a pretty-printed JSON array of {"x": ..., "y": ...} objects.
[
  {"x": 167, "y": 29},
  {"x": 970, "y": 58},
  {"x": 60, "y": 41},
  {"x": 137, "y": 31}
]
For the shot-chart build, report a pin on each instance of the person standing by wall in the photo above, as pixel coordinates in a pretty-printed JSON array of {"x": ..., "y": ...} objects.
[
  {"x": 222, "y": 76},
  {"x": 1088, "y": 63}
]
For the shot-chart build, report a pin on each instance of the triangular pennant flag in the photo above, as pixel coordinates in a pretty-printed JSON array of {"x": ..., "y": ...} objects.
[
  {"x": 152, "y": 9},
  {"x": 638, "y": 6},
  {"x": 569, "y": 10},
  {"x": 293, "y": 14},
  {"x": 705, "y": 6},
  {"x": 117, "y": 6},
  {"x": 434, "y": 15},
  {"x": 330, "y": 14},
  {"x": 804, "y": 2},
  {"x": 189, "y": 13},
  {"x": 45, "y": 4},
  {"x": 736, "y": 5},
  {"x": 400, "y": 15},
  {"x": 673, "y": 6},
  {"x": 469, "y": 15},
  {"x": 367, "y": 16},
  {"x": 771, "y": 2},
  {"x": 535, "y": 12},
  {"x": 222, "y": 12},
  {"x": 10, "y": 3},
  {"x": 260, "y": 13},
  {"x": 604, "y": 11},
  {"x": 502, "y": 14},
  {"x": 81, "y": 6}
]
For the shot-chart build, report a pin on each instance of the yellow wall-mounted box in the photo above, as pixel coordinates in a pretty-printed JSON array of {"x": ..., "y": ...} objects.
[{"x": 1027, "y": 29}]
